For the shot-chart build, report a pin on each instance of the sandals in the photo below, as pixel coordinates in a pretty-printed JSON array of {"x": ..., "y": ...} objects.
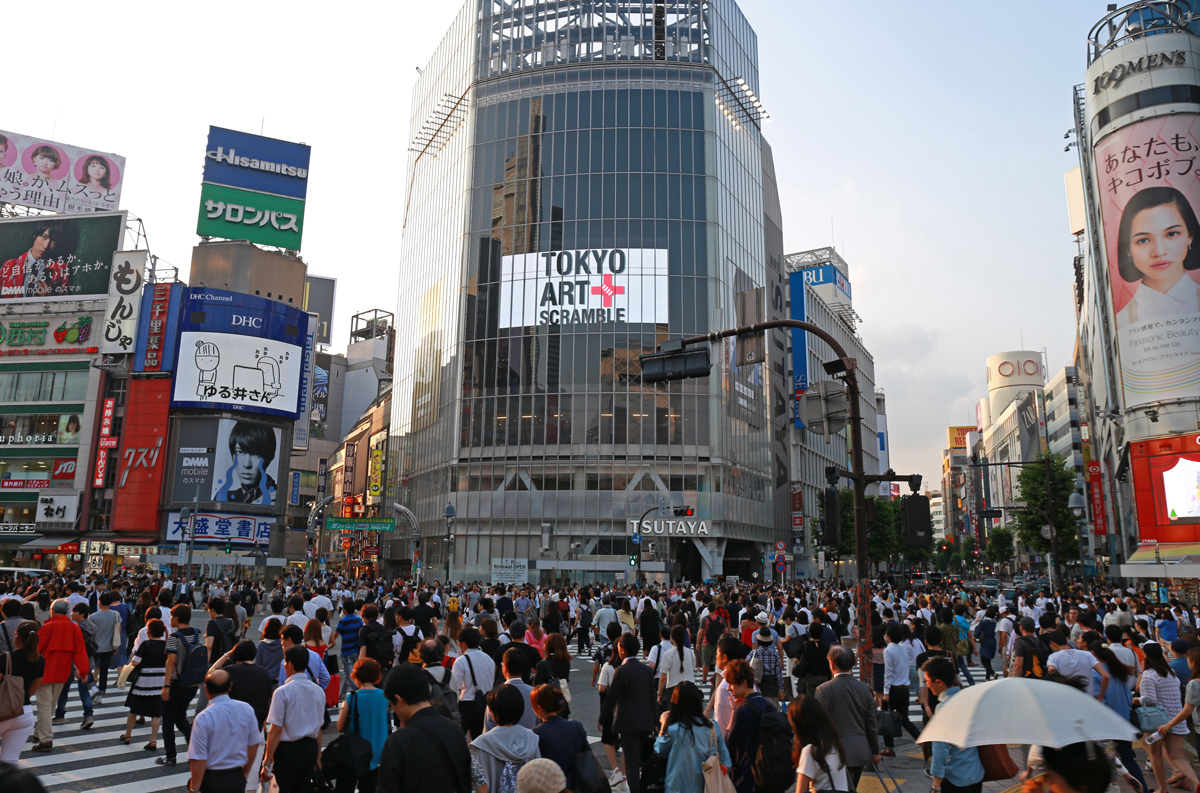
[
  {"x": 125, "y": 739},
  {"x": 150, "y": 747}
]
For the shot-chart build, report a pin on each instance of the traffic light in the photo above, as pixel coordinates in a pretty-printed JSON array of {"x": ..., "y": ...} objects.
[
  {"x": 228, "y": 547},
  {"x": 633, "y": 560},
  {"x": 831, "y": 522},
  {"x": 684, "y": 512},
  {"x": 672, "y": 362},
  {"x": 918, "y": 526}
]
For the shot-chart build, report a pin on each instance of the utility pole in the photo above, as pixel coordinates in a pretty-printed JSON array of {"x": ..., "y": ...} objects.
[
  {"x": 314, "y": 514},
  {"x": 191, "y": 530}
]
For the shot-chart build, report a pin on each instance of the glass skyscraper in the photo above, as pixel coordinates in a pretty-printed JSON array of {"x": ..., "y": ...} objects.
[{"x": 586, "y": 180}]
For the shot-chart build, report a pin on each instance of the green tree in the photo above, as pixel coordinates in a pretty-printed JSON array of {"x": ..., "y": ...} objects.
[
  {"x": 967, "y": 550},
  {"x": 1029, "y": 522},
  {"x": 884, "y": 534},
  {"x": 1000, "y": 546}
]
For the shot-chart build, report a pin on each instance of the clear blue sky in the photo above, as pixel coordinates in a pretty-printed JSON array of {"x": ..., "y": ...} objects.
[{"x": 931, "y": 134}]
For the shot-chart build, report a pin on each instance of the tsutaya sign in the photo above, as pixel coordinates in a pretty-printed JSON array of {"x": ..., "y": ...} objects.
[
  {"x": 584, "y": 287},
  {"x": 691, "y": 527}
]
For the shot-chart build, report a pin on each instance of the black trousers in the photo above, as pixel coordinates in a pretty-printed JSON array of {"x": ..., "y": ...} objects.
[
  {"x": 471, "y": 715},
  {"x": 228, "y": 780},
  {"x": 102, "y": 662},
  {"x": 174, "y": 712},
  {"x": 294, "y": 764},
  {"x": 947, "y": 787},
  {"x": 365, "y": 783},
  {"x": 898, "y": 702},
  {"x": 631, "y": 745}
]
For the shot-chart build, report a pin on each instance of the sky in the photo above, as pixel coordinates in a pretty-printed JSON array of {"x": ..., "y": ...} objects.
[{"x": 923, "y": 139}]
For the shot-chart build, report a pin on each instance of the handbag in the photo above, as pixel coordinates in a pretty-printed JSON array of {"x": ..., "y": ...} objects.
[
  {"x": 715, "y": 778},
  {"x": 756, "y": 665},
  {"x": 1151, "y": 717},
  {"x": 12, "y": 693},
  {"x": 116, "y": 637},
  {"x": 889, "y": 725},
  {"x": 564, "y": 685},
  {"x": 349, "y": 754},
  {"x": 128, "y": 675},
  {"x": 589, "y": 778},
  {"x": 997, "y": 762}
]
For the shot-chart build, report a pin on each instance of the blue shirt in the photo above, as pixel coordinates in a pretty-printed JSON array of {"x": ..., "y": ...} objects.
[
  {"x": 961, "y": 767},
  {"x": 371, "y": 707},
  {"x": 685, "y": 751},
  {"x": 348, "y": 628},
  {"x": 316, "y": 669}
]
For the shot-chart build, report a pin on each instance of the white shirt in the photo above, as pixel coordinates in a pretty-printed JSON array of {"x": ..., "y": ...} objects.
[
  {"x": 669, "y": 666},
  {"x": 222, "y": 732},
  {"x": 262, "y": 629},
  {"x": 298, "y": 619},
  {"x": 836, "y": 779},
  {"x": 1148, "y": 303},
  {"x": 298, "y": 706},
  {"x": 477, "y": 661},
  {"x": 1074, "y": 663}
]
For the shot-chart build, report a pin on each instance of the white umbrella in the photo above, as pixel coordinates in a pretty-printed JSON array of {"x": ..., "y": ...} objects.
[{"x": 1025, "y": 710}]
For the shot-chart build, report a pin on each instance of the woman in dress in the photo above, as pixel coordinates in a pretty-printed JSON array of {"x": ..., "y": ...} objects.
[{"x": 145, "y": 694}]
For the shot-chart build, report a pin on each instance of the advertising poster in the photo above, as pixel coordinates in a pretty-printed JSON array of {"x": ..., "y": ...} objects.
[
  {"x": 160, "y": 306},
  {"x": 124, "y": 302},
  {"x": 246, "y": 470},
  {"x": 1166, "y": 483},
  {"x": 239, "y": 352},
  {"x": 241, "y": 215},
  {"x": 584, "y": 287},
  {"x": 301, "y": 432},
  {"x": 194, "y": 459},
  {"x": 319, "y": 415},
  {"x": 255, "y": 162},
  {"x": 799, "y": 342},
  {"x": 48, "y": 256},
  {"x": 43, "y": 174},
  {"x": 956, "y": 438},
  {"x": 318, "y": 299},
  {"x": 510, "y": 571},
  {"x": 1028, "y": 427},
  {"x": 1148, "y": 177}
]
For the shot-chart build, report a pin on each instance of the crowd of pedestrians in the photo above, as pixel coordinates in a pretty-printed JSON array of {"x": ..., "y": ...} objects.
[{"x": 469, "y": 687}]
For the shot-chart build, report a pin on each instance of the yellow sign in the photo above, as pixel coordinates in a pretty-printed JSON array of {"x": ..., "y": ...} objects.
[
  {"x": 376, "y": 481},
  {"x": 957, "y": 438}
]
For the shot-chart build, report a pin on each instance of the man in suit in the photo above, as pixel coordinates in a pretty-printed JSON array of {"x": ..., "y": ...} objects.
[
  {"x": 630, "y": 706},
  {"x": 851, "y": 706}
]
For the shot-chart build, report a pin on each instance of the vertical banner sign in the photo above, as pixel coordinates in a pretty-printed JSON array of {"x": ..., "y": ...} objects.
[
  {"x": 106, "y": 422},
  {"x": 376, "y": 482},
  {"x": 160, "y": 305},
  {"x": 1096, "y": 490},
  {"x": 304, "y": 400},
  {"x": 124, "y": 302},
  {"x": 322, "y": 477},
  {"x": 294, "y": 497},
  {"x": 799, "y": 343},
  {"x": 348, "y": 469}
]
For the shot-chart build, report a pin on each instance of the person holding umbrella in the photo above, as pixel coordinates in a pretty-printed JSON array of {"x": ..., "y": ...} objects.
[{"x": 954, "y": 769}]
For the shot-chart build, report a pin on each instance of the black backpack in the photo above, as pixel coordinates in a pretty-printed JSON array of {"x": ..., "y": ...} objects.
[
  {"x": 195, "y": 661},
  {"x": 226, "y": 638},
  {"x": 380, "y": 646},
  {"x": 772, "y": 765},
  {"x": 444, "y": 699}
]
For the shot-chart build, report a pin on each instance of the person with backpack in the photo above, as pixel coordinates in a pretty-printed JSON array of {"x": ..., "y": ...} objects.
[
  {"x": 187, "y": 664},
  {"x": 365, "y": 713},
  {"x": 760, "y": 738},
  {"x": 504, "y": 749},
  {"x": 375, "y": 641},
  {"x": 444, "y": 699},
  {"x": 1030, "y": 655}
]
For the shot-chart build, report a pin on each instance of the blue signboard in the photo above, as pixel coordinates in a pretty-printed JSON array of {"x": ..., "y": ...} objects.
[
  {"x": 294, "y": 500},
  {"x": 252, "y": 162},
  {"x": 799, "y": 342},
  {"x": 238, "y": 352},
  {"x": 827, "y": 274},
  {"x": 158, "y": 328}
]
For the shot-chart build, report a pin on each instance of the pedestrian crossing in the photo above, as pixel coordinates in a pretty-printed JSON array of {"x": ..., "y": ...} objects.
[{"x": 94, "y": 760}]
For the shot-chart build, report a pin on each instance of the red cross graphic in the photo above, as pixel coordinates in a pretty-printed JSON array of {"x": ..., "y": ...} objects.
[{"x": 608, "y": 290}]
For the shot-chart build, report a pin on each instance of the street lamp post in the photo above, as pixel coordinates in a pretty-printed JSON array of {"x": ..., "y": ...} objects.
[{"x": 449, "y": 514}]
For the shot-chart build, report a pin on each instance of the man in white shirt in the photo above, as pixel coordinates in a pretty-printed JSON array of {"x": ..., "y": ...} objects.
[
  {"x": 472, "y": 677},
  {"x": 1071, "y": 662},
  {"x": 294, "y": 725},
  {"x": 224, "y": 739}
]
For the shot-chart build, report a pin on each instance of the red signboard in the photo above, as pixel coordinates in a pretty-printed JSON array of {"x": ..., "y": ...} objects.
[
  {"x": 30, "y": 484},
  {"x": 101, "y": 467},
  {"x": 797, "y": 497},
  {"x": 797, "y": 521},
  {"x": 1165, "y": 476},
  {"x": 64, "y": 469},
  {"x": 138, "y": 487},
  {"x": 71, "y": 547},
  {"x": 160, "y": 305},
  {"x": 108, "y": 442},
  {"x": 106, "y": 418},
  {"x": 1096, "y": 491}
]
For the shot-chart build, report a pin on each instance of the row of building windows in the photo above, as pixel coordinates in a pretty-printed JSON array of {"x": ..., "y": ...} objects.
[
  {"x": 660, "y": 108},
  {"x": 68, "y": 386}
]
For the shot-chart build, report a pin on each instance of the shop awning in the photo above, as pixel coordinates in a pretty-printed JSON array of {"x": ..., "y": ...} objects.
[
  {"x": 1167, "y": 553},
  {"x": 18, "y": 538},
  {"x": 50, "y": 543}
]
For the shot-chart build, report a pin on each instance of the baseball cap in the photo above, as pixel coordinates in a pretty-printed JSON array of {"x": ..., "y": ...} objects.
[
  {"x": 1027, "y": 624},
  {"x": 1179, "y": 647}
]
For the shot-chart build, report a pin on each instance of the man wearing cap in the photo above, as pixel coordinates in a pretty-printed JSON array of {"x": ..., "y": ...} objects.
[
  {"x": 1005, "y": 635},
  {"x": 763, "y": 620},
  {"x": 766, "y": 657}
]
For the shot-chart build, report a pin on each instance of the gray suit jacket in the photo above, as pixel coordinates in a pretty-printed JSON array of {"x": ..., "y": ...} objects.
[{"x": 851, "y": 705}]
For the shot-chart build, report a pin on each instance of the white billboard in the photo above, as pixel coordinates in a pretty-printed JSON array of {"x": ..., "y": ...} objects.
[
  {"x": 124, "y": 302},
  {"x": 584, "y": 287},
  {"x": 40, "y": 173},
  {"x": 231, "y": 370}
]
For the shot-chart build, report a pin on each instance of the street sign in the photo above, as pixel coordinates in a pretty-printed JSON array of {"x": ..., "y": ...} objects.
[
  {"x": 779, "y": 546},
  {"x": 820, "y": 560},
  {"x": 781, "y": 567},
  {"x": 770, "y": 557},
  {"x": 181, "y": 557},
  {"x": 637, "y": 539},
  {"x": 824, "y": 408},
  {"x": 620, "y": 576}
]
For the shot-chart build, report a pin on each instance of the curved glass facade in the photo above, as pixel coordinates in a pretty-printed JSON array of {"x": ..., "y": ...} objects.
[{"x": 590, "y": 210}]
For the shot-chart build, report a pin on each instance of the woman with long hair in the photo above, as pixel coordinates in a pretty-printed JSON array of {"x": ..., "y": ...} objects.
[
  {"x": 1191, "y": 700},
  {"x": 556, "y": 666},
  {"x": 625, "y": 616},
  {"x": 24, "y": 662},
  {"x": 676, "y": 665},
  {"x": 1118, "y": 697},
  {"x": 817, "y": 751},
  {"x": 145, "y": 692},
  {"x": 1160, "y": 687},
  {"x": 686, "y": 738},
  {"x": 535, "y": 637}
]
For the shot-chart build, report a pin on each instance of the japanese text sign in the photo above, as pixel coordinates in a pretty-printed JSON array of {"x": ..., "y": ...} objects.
[
  {"x": 222, "y": 527},
  {"x": 124, "y": 302},
  {"x": 49, "y": 257},
  {"x": 43, "y": 174},
  {"x": 234, "y": 214}
]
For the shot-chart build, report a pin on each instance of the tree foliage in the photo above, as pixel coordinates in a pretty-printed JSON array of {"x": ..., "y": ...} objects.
[
  {"x": 1029, "y": 522},
  {"x": 1000, "y": 546}
]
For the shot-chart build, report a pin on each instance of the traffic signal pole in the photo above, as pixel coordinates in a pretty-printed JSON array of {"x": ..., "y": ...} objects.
[{"x": 843, "y": 366}]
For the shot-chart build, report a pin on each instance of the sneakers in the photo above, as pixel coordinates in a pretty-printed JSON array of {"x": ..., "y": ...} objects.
[
  {"x": 59, "y": 720},
  {"x": 164, "y": 760},
  {"x": 928, "y": 773},
  {"x": 87, "y": 723},
  {"x": 94, "y": 690}
]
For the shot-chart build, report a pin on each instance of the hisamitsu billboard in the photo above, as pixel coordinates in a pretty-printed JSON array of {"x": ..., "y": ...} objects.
[{"x": 253, "y": 162}]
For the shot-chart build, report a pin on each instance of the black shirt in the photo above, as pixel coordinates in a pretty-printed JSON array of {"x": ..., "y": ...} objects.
[
  {"x": 253, "y": 685},
  {"x": 23, "y": 668},
  {"x": 423, "y": 618},
  {"x": 429, "y": 755}
]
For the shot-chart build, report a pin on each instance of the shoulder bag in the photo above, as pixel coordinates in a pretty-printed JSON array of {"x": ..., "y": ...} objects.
[
  {"x": 12, "y": 692},
  {"x": 589, "y": 778},
  {"x": 888, "y": 724},
  {"x": 349, "y": 754},
  {"x": 716, "y": 780},
  {"x": 564, "y": 685},
  {"x": 997, "y": 762}
]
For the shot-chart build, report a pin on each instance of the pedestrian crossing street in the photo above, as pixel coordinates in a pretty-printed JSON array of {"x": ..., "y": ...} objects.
[{"x": 94, "y": 760}]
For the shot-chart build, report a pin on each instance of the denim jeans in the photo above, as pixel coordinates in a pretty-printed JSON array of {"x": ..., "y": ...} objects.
[{"x": 85, "y": 695}]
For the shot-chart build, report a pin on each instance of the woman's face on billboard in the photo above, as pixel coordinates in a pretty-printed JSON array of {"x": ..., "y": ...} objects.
[{"x": 1159, "y": 243}]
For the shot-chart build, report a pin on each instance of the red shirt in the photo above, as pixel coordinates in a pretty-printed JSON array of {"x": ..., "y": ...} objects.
[{"x": 60, "y": 641}]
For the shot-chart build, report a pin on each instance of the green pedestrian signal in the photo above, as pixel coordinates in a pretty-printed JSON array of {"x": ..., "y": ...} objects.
[
  {"x": 632, "y": 560},
  {"x": 228, "y": 547}
]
